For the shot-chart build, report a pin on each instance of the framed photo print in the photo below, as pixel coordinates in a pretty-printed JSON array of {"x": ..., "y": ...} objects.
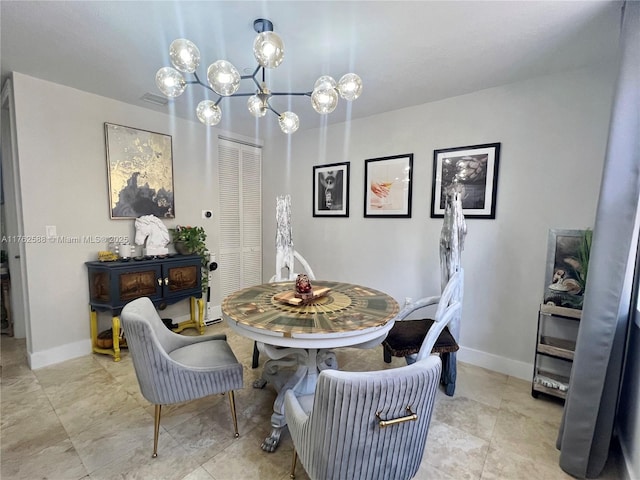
[
  {"x": 476, "y": 169},
  {"x": 331, "y": 190},
  {"x": 140, "y": 172},
  {"x": 567, "y": 267},
  {"x": 387, "y": 186}
]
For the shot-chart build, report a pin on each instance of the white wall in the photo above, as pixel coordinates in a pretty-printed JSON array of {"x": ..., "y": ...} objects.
[
  {"x": 553, "y": 132},
  {"x": 63, "y": 173}
]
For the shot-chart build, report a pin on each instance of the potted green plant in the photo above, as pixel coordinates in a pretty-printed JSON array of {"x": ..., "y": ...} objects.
[{"x": 191, "y": 241}]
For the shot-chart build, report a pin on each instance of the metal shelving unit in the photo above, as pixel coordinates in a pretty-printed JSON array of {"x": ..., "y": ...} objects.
[{"x": 555, "y": 347}]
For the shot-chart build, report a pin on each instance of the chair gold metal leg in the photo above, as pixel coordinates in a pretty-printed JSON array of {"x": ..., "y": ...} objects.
[
  {"x": 156, "y": 430},
  {"x": 232, "y": 403},
  {"x": 293, "y": 464}
]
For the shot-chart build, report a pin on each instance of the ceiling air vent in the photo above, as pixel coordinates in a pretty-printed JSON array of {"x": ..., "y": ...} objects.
[{"x": 155, "y": 99}]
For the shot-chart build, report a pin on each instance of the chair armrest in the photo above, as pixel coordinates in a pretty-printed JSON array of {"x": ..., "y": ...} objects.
[
  {"x": 417, "y": 305},
  {"x": 295, "y": 414}
]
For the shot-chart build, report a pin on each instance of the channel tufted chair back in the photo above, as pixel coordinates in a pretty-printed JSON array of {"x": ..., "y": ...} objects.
[
  {"x": 365, "y": 425},
  {"x": 174, "y": 368}
]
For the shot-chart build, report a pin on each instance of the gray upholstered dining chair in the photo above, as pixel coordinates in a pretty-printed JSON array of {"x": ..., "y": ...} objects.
[
  {"x": 366, "y": 425},
  {"x": 174, "y": 368}
]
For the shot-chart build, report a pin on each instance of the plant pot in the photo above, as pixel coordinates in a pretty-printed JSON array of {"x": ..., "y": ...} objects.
[{"x": 182, "y": 248}]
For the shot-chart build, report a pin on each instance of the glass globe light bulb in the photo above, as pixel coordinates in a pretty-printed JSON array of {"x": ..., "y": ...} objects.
[
  {"x": 170, "y": 82},
  {"x": 325, "y": 82},
  {"x": 208, "y": 113},
  {"x": 268, "y": 48},
  {"x": 256, "y": 107},
  {"x": 350, "y": 86},
  {"x": 184, "y": 55},
  {"x": 289, "y": 122},
  {"x": 223, "y": 78},
  {"x": 324, "y": 101}
]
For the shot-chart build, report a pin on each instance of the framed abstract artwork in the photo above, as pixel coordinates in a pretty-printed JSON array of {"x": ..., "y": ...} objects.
[
  {"x": 140, "y": 172},
  {"x": 387, "y": 186},
  {"x": 331, "y": 190},
  {"x": 476, "y": 169}
]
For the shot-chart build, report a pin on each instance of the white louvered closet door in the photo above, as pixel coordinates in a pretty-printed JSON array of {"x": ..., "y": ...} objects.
[{"x": 240, "y": 187}]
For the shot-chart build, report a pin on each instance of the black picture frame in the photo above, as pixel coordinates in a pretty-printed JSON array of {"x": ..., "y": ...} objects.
[
  {"x": 476, "y": 168},
  {"x": 331, "y": 190},
  {"x": 388, "y": 185},
  {"x": 140, "y": 172}
]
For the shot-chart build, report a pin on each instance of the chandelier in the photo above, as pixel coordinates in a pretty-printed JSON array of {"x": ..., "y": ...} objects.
[{"x": 224, "y": 80}]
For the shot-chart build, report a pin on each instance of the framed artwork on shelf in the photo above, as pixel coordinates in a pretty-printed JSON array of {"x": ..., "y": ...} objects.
[
  {"x": 387, "y": 186},
  {"x": 567, "y": 267},
  {"x": 476, "y": 169},
  {"x": 331, "y": 190},
  {"x": 140, "y": 172}
]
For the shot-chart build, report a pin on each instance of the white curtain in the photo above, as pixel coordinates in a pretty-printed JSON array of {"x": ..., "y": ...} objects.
[{"x": 590, "y": 408}]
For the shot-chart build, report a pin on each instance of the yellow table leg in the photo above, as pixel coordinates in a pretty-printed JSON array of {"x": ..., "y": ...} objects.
[
  {"x": 115, "y": 329},
  {"x": 201, "y": 316},
  {"x": 196, "y": 316}
]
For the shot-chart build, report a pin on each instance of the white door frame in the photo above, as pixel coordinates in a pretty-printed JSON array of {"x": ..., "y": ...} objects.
[{"x": 13, "y": 219}]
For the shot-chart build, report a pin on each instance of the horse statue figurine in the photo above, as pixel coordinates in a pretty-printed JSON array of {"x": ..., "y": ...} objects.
[{"x": 153, "y": 234}]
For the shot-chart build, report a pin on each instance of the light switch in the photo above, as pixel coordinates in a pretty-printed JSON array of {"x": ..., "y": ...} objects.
[{"x": 51, "y": 231}]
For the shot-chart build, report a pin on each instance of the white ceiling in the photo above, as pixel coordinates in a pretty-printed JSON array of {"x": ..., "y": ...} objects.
[{"x": 407, "y": 53}]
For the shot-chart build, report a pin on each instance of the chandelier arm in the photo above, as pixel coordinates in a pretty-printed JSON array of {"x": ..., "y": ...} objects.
[
  {"x": 273, "y": 110},
  {"x": 197, "y": 81},
  {"x": 253, "y": 77},
  {"x": 299, "y": 94}
]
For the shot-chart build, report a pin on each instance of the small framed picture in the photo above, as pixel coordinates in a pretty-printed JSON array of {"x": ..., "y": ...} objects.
[
  {"x": 331, "y": 190},
  {"x": 476, "y": 169},
  {"x": 387, "y": 186}
]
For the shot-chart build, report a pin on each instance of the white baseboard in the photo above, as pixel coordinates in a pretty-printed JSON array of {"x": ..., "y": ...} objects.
[
  {"x": 214, "y": 314},
  {"x": 514, "y": 368},
  {"x": 59, "y": 354}
]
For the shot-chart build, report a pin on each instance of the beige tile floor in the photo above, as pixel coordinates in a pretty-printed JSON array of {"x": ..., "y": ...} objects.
[{"x": 86, "y": 419}]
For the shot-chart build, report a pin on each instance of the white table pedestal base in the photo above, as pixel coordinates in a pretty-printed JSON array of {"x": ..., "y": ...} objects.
[{"x": 278, "y": 371}]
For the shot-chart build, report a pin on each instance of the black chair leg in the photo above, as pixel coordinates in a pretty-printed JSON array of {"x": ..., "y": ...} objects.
[
  {"x": 256, "y": 355},
  {"x": 449, "y": 373},
  {"x": 386, "y": 355}
]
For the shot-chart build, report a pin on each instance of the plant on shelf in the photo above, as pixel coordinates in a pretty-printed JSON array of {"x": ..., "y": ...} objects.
[
  {"x": 191, "y": 241},
  {"x": 584, "y": 251}
]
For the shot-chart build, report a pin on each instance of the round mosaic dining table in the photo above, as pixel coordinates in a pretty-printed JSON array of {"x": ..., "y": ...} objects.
[{"x": 348, "y": 313}]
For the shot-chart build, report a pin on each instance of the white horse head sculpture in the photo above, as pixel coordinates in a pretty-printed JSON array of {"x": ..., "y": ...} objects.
[{"x": 151, "y": 230}]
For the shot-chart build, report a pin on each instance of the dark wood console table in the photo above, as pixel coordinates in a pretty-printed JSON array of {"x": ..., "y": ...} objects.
[{"x": 164, "y": 280}]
